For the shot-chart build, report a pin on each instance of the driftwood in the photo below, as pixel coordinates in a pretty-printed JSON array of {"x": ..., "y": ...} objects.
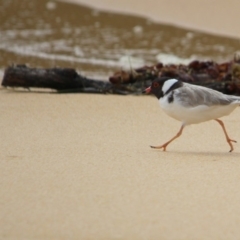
[
  {"x": 60, "y": 79},
  {"x": 63, "y": 80},
  {"x": 224, "y": 77}
]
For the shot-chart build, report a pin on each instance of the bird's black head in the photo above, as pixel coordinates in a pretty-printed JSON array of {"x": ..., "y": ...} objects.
[
  {"x": 162, "y": 86},
  {"x": 157, "y": 86}
]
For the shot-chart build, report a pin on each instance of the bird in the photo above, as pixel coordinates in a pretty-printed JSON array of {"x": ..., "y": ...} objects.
[{"x": 192, "y": 104}]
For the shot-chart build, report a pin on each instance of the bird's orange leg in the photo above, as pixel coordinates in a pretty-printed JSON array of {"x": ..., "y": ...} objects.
[
  {"x": 164, "y": 146},
  {"x": 226, "y": 135}
]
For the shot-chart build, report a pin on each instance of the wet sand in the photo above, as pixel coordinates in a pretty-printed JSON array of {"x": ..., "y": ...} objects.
[
  {"x": 79, "y": 167},
  {"x": 219, "y": 17}
]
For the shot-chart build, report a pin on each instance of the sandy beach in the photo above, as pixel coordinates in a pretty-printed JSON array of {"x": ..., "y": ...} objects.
[{"x": 80, "y": 167}]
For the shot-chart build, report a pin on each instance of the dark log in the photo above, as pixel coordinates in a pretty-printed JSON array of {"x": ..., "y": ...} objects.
[{"x": 61, "y": 79}]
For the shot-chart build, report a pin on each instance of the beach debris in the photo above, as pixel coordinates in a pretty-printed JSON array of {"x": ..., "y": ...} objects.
[
  {"x": 224, "y": 77},
  {"x": 62, "y": 80}
]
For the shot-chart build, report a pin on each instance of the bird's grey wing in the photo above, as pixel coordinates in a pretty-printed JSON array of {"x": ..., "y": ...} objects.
[{"x": 192, "y": 96}]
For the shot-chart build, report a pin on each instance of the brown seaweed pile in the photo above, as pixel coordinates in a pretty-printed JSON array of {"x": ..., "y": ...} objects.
[{"x": 224, "y": 77}]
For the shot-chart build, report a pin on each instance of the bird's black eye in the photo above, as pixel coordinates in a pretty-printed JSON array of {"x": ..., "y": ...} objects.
[{"x": 155, "y": 84}]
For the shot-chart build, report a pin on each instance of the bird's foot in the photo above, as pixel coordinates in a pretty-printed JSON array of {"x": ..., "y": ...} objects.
[
  {"x": 230, "y": 143},
  {"x": 164, "y": 146}
]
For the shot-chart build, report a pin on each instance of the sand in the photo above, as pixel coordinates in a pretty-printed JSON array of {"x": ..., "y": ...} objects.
[
  {"x": 218, "y": 17},
  {"x": 79, "y": 166}
]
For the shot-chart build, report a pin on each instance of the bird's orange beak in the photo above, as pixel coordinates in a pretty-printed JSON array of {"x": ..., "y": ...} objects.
[{"x": 147, "y": 90}]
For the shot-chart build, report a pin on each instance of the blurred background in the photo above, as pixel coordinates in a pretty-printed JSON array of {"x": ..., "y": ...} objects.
[{"x": 97, "y": 42}]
